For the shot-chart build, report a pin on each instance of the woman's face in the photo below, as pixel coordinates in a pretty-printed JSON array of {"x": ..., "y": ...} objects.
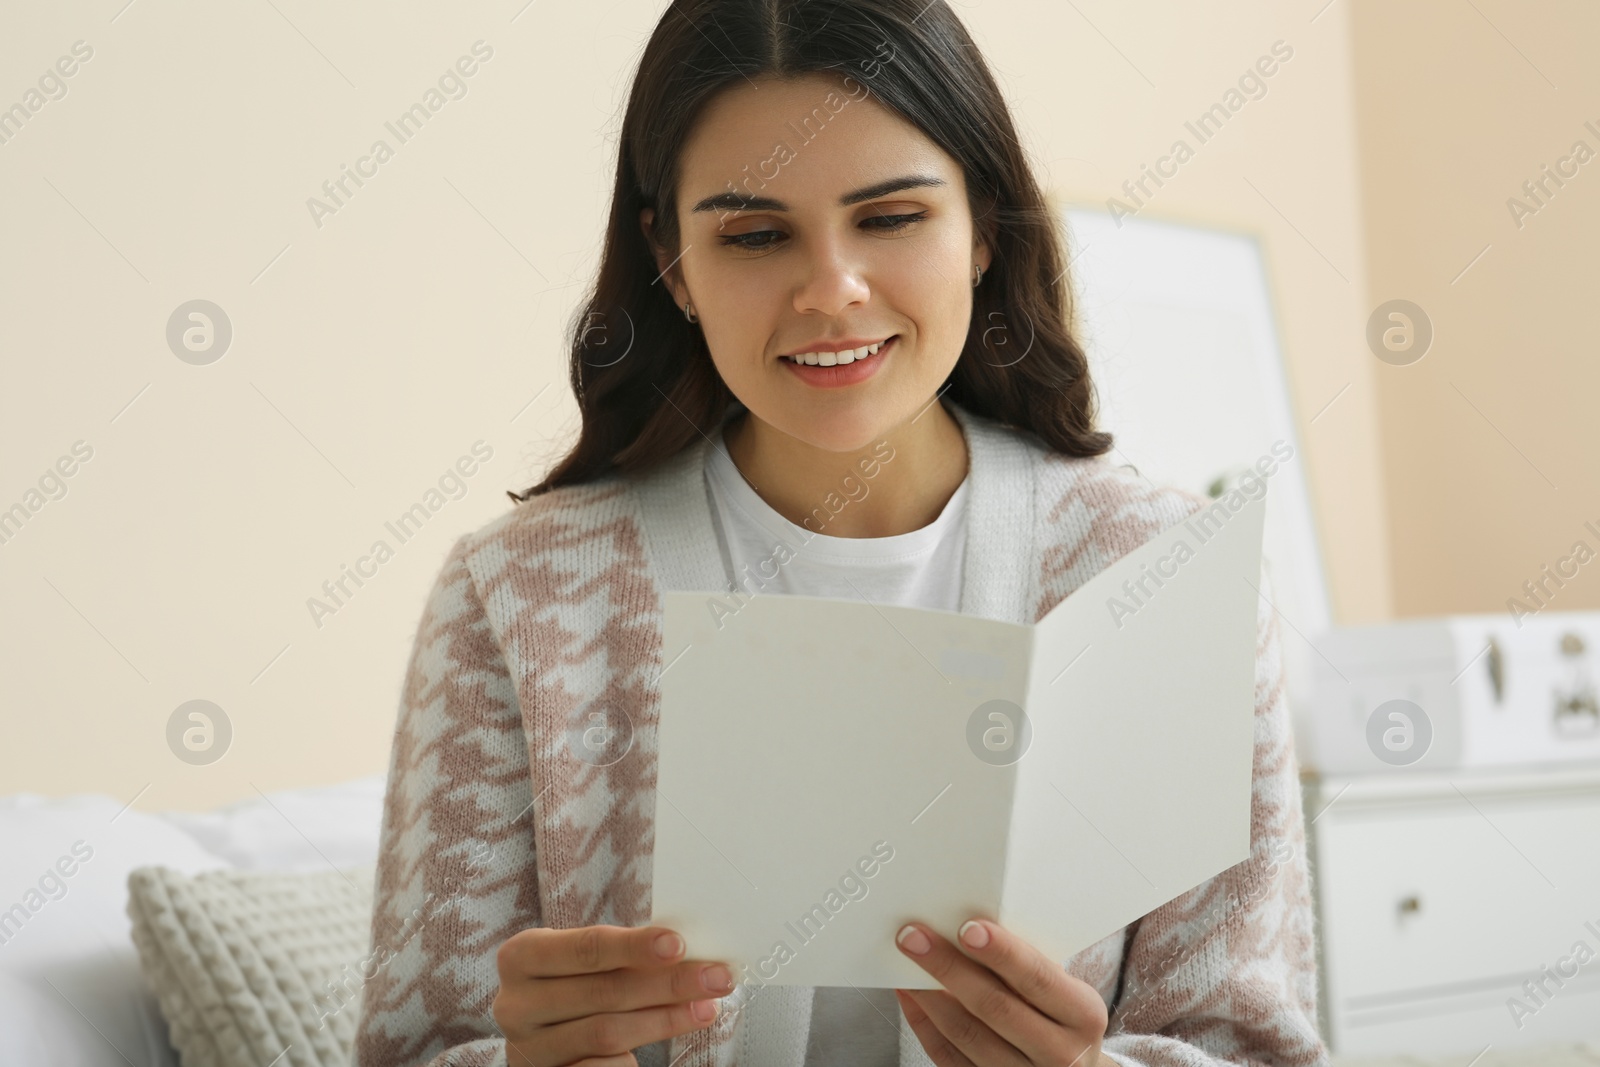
[{"x": 826, "y": 256}]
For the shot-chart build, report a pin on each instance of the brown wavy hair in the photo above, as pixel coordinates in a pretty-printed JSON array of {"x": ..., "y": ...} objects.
[{"x": 1021, "y": 363}]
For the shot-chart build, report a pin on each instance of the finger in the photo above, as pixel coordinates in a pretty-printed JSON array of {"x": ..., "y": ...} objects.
[
  {"x": 542, "y": 953},
  {"x": 540, "y": 1001},
  {"x": 1035, "y": 977},
  {"x": 975, "y": 1039},
  {"x": 934, "y": 1043},
  {"x": 984, "y": 996},
  {"x": 614, "y": 1033}
]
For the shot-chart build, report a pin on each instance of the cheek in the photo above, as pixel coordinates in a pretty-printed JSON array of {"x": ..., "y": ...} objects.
[
  {"x": 936, "y": 261},
  {"x": 737, "y": 309},
  {"x": 725, "y": 279},
  {"x": 932, "y": 286},
  {"x": 737, "y": 339},
  {"x": 936, "y": 271}
]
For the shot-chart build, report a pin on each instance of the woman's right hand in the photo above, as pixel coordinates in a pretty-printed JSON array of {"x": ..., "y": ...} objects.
[{"x": 590, "y": 995}]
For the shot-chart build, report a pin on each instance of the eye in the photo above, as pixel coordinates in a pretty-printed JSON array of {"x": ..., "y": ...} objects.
[
  {"x": 754, "y": 242},
  {"x": 897, "y": 222},
  {"x": 748, "y": 240}
]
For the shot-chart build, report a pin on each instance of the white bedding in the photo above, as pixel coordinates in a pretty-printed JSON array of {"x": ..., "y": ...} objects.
[{"x": 70, "y": 989}]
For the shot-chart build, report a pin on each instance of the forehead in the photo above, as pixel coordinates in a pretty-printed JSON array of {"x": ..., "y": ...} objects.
[{"x": 805, "y": 141}]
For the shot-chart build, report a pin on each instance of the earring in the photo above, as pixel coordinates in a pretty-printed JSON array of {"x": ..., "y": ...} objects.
[
  {"x": 691, "y": 316},
  {"x": 977, "y": 276}
]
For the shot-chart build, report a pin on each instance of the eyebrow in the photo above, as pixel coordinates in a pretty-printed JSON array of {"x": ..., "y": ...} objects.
[{"x": 732, "y": 201}]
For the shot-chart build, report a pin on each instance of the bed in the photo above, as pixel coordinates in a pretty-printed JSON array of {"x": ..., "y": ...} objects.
[{"x": 72, "y": 989}]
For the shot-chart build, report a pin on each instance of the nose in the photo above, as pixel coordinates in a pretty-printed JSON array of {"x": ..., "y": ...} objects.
[{"x": 832, "y": 279}]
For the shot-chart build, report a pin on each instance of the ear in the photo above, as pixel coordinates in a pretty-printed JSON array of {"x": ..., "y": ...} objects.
[
  {"x": 982, "y": 251},
  {"x": 665, "y": 265}
]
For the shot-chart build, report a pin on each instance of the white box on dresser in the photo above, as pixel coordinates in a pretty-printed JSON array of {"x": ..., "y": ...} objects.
[
  {"x": 1458, "y": 910},
  {"x": 1491, "y": 691}
]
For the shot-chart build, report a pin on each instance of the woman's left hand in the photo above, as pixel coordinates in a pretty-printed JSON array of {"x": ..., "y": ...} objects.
[{"x": 1004, "y": 1003}]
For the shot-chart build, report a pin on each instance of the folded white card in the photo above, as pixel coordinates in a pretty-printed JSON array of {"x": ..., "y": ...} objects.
[{"x": 829, "y": 769}]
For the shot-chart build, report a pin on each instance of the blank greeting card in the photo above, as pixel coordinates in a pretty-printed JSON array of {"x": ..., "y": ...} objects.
[{"x": 829, "y": 769}]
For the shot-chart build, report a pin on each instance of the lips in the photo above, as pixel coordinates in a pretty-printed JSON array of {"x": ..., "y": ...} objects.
[{"x": 842, "y": 374}]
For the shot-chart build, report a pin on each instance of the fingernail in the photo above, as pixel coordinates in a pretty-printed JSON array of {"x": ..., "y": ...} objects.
[
  {"x": 973, "y": 934},
  {"x": 913, "y": 940},
  {"x": 704, "y": 1010},
  {"x": 668, "y": 945},
  {"x": 716, "y": 978}
]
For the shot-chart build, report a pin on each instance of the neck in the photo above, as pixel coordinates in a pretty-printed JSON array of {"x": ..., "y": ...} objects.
[{"x": 899, "y": 482}]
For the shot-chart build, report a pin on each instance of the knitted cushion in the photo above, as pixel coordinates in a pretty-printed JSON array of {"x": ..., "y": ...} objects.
[{"x": 255, "y": 967}]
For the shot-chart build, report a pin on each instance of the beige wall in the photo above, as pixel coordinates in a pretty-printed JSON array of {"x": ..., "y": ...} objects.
[
  {"x": 371, "y": 352},
  {"x": 1489, "y": 441},
  {"x": 1282, "y": 168}
]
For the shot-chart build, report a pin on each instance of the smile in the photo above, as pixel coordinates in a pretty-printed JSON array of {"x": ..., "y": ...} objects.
[
  {"x": 829, "y": 370},
  {"x": 832, "y": 359}
]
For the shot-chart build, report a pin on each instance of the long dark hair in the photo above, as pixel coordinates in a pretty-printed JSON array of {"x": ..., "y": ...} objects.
[{"x": 1021, "y": 363}]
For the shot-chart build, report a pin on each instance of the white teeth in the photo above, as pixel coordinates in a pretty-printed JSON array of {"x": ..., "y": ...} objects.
[{"x": 832, "y": 359}]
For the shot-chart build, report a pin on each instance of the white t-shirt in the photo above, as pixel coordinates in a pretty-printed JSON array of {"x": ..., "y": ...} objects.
[
  {"x": 917, "y": 569},
  {"x": 766, "y": 553}
]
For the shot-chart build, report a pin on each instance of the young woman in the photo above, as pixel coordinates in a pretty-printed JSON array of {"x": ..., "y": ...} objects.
[{"x": 828, "y": 352}]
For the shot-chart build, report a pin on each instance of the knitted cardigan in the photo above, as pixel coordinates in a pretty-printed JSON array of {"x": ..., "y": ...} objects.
[{"x": 491, "y": 827}]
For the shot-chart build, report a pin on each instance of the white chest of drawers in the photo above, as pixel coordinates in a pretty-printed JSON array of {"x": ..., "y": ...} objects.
[{"x": 1447, "y": 900}]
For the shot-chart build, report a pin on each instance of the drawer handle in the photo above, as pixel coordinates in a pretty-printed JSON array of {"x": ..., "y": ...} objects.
[
  {"x": 1497, "y": 671},
  {"x": 1573, "y": 706},
  {"x": 1409, "y": 905}
]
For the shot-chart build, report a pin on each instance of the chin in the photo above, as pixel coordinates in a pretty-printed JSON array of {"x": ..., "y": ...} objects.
[{"x": 843, "y": 431}]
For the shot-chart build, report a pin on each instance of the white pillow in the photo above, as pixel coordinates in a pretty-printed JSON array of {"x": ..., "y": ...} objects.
[
  {"x": 318, "y": 829},
  {"x": 69, "y": 976},
  {"x": 252, "y": 967}
]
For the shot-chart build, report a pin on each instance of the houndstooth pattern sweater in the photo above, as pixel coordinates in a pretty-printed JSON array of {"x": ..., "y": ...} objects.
[{"x": 491, "y": 827}]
